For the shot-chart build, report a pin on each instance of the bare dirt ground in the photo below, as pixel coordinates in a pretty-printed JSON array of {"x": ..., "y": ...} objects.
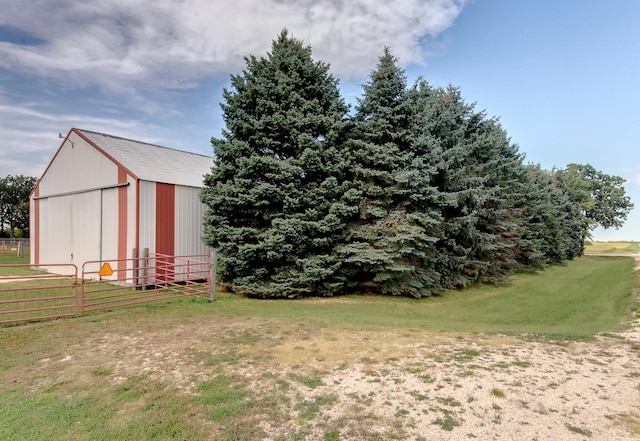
[{"x": 387, "y": 385}]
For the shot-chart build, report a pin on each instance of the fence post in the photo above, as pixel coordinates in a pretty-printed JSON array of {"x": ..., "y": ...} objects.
[
  {"x": 20, "y": 249},
  {"x": 136, "y": 264},
  {"x": 213, "y": 261},
  {"x": 143, "y": 270}
]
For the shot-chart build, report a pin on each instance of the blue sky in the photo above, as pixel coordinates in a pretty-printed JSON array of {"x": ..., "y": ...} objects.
[{"x": 562, "y": 75}]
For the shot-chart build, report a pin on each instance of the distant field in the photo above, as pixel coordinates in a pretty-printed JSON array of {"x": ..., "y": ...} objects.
[{"x": 611, "y": 247}]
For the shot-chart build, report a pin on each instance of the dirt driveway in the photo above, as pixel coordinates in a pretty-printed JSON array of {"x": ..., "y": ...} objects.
[{"x": 339, "y": 385}]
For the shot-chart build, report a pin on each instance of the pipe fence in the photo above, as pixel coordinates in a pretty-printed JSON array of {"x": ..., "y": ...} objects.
[{"x": 50, "y": 291}]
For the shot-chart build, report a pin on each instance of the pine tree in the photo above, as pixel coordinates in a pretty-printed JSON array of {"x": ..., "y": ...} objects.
[
  {"x": 481, "y": 187},
  {"x": 501, "y": 216},
  {"x": 276, "y": 200},
  {"x": 552, "y": 219},
  {"x": 389, "y": 247}
]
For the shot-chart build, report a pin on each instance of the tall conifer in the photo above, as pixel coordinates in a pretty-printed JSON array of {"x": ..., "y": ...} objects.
[
  {"x": 388, "y": 248},
  {"x": 276, "y": 202}
]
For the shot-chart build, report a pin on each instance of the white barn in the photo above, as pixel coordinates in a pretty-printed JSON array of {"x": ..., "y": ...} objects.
[{"x": 101, "y": 197}]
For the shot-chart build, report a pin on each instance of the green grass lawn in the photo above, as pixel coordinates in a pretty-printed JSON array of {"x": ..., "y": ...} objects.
[
  {"x": 585, "y": 297},
  {"x": 55, "y": 384},
  {"x": 15, "y": 271}
]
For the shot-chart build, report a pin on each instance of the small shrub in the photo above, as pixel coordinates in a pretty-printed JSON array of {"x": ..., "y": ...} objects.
[
  {"x": 496, "y": 392},
  {"x": 447, "y": 423},
  {"x": 332, "y": 435},
  {"x": 579, "y": 430}
]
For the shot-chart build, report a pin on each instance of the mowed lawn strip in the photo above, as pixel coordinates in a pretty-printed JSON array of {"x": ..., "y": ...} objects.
[{"x": 587, "y": 296}]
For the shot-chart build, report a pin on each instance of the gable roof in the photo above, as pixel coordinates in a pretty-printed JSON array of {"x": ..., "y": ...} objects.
[{"x": 150, "y": 162}]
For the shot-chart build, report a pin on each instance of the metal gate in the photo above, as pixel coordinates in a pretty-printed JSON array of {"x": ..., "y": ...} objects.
[
  {"x": 31, "y": 293},
  {"x": 145, "y": 279}
]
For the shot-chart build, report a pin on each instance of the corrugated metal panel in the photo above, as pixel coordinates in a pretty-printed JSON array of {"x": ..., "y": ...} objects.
[
  {"x": 147, "y": 216},
  {"x": 131, "y": 217},
  {"x": 165, "y": 228},
  {"x": 165, "y": 219},
  {"x": 154, "y": 163},
  {"x": 109, "y": 224},
  {"x": 122, "y": 225},
  {"x": 43, "y": 231},
  {"x": 34, "y": 228},
  {"x": 86, "y": 225},
  {"x": 189, "y": 212},
  {"x": 56, "y": 222}
]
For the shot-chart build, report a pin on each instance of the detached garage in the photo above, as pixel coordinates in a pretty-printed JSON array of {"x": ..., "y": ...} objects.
[{"x": 103, "y": 198}]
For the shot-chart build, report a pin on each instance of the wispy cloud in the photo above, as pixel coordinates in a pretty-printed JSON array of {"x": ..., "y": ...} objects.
[
  {"x": 30, "y": 136},
  {"x": 113, "y": 43},
  {"x": 135, "y": 58}
]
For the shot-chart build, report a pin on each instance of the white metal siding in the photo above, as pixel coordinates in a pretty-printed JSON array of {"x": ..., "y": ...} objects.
[
  {"x": 85, "y": 229},
  {"x": 56, "y": 220},
  {"x": 77, "y": 168},
  {"x": 188, "y": 222},
  {"x": 32, "y": 231},
  {"x": 131, "y": 218},
  {"x": 109, "y": 236},
  {"x": 147, "y": 216}
]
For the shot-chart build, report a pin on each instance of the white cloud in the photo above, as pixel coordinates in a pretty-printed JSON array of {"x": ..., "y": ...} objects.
[
  {"x": 114, "y": 43},
  {"x": 138, "y": 53}
]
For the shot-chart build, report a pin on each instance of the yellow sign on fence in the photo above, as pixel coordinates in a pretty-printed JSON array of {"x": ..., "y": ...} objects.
[{"x": 105, "y": 270}]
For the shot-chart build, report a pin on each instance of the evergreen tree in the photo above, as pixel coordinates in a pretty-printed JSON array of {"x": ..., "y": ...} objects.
[
  {"x": 276, "y": 200},
  {"x": 481, "y": 188},
  {"x": 500, "y": 216},
  {"x": 416, "y": 193},
  {"x": 389, "y": 247},
  {"x": 442, "y": 134},
  {"x": 553, "y": 220}
]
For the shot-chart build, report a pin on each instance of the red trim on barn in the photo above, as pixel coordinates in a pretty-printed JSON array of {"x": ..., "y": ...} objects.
[
  {"x": 122, "y": 224},
  {"x": 165, "y": 223},
  {"x": 36, "y": 225},
  {"x": 138, "y": 250}
]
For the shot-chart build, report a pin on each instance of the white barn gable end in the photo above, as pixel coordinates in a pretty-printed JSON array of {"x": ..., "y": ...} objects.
[{"x": 103, "y": 196}]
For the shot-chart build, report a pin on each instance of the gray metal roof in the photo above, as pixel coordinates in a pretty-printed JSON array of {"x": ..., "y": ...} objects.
[{"x": 152, "y": 162}]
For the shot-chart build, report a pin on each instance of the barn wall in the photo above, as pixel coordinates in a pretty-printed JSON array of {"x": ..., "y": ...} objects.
[
  {"x": 86, "y": 227},
  {"x": 189, "y": 212},
  {"x": 77, "y": 166},
  {"x": 131, "y": 217},
  {"x": 84, "y": 209},
  {"x": 34, "y": 228},
  {"x": 171, "y": 219},
  {"x": 165, "y": 218},
  {"x": 109, "y": 224},
  {"x": 147, "y": 227}
]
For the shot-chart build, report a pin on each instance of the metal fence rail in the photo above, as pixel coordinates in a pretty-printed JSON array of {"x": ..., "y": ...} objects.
[
  {"x": 145, "y": 279},
  {"x": 31, "y": 294},
  {"x": 14, "y": 247},
  {"x": 28, "y": 293}
]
